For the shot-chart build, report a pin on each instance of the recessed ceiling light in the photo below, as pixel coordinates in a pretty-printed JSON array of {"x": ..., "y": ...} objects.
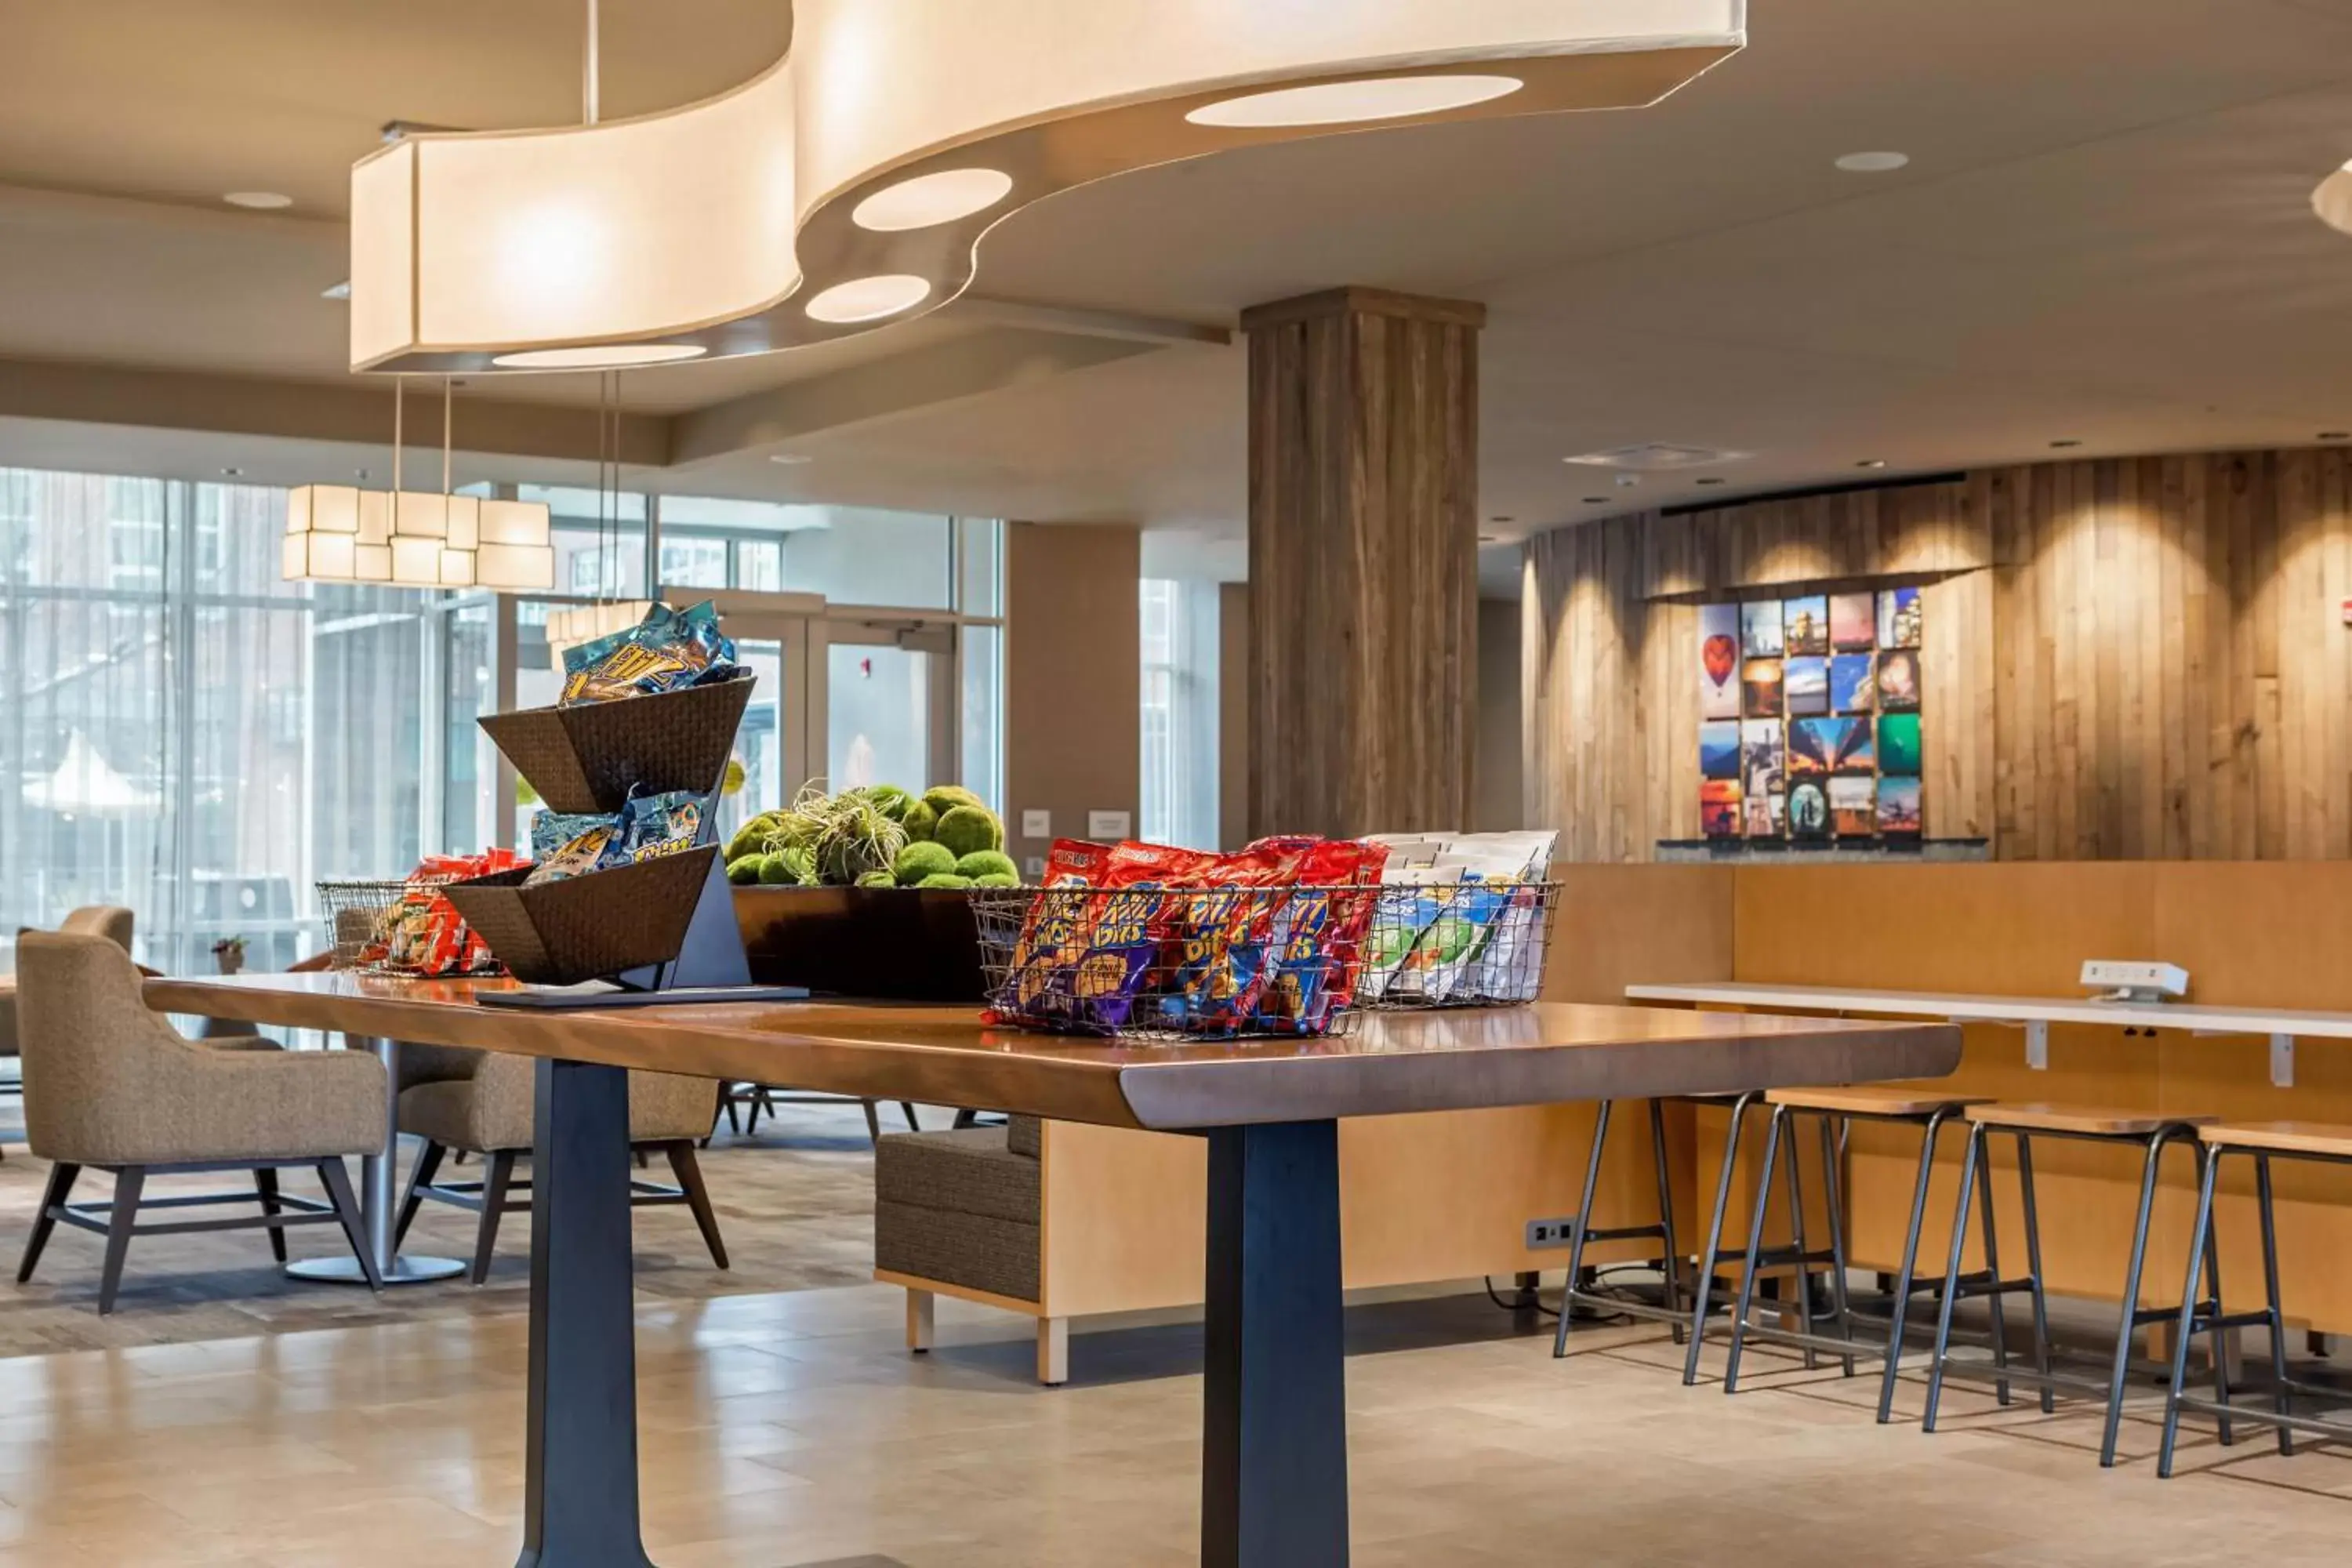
[
  {"x": 1872, "y": 163},
  {"x": 2062, "y": 446},
  {"x": 232, "y": 473},
  {"x": 1872, "y": 463},
  {"x": 1502, "y": 520},
  {"x": 260, "y": 201},
  {"x": 929, "y": 199},
  {"x": 2336, "y": 435},
  {"x": 869, "y": 299},
  {"x": 1655, "y": 457},
  {"x": 600, "y": 356},
  {"x": 1346, "y": 102},
  {"x": 1596, "y": 501},
  {"x": 790, "y": 459},
  {"x": 1709, "y": 479},
  {"x": 337, "y": 290},
  {"x": 1490, "y": 539}
]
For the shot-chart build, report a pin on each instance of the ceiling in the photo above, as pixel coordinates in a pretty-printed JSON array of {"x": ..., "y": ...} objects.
[{"x": 2103, "y": 236}]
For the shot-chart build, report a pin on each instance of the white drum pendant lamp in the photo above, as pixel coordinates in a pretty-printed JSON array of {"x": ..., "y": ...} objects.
[{"x": 849, "y": 186}]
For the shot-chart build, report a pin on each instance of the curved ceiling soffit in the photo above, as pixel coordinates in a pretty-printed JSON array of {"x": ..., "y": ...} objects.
[{"x": 736, "y": 226}]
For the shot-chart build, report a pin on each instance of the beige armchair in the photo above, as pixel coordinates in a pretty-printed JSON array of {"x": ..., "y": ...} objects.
[
  {"x": 109, "y": 921},
  {"x": 110, "y": 1086},
  {"x": 491, "y": 1110}
]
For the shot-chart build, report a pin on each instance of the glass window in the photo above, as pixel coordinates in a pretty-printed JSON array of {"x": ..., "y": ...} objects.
[
  {"x": 688, "y": 562},
  {"x": 181, "y": 732},
  {"x": 1179, "y": 622},
  {"x": 982, "y": 736},
  {"x": 878, "y": 713}
]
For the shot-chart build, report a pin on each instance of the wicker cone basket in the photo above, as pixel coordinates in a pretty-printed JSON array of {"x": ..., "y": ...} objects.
[
  {"x": 587, "y": 758},
  {"x": 591, "y": 926}
]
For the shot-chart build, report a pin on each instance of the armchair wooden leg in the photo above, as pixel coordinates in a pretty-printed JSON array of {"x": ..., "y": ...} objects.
[
  {"x": 265, "y": 1184},
  {"x": 922, "y": 1320},
  {"x": 689, "y": 1172},
  {"x": 1053, "y": 1351},
  {"x": 873, "y": 1121},
  {"x": 908, "y": 1111},
  {"x": 128, "y": 1184},
  {"x": 497, "y": 1173},
  {"x": 338, "y": 1183},
  {"x": 60, "y": 1188},
  {"x": 420, "y": 1176}
]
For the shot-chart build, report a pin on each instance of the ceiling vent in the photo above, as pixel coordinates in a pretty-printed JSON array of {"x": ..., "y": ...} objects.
[{"x": 1656, "y": 457}]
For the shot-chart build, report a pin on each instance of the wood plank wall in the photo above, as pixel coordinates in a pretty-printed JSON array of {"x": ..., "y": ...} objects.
[{"x": 2126, "y": 659}]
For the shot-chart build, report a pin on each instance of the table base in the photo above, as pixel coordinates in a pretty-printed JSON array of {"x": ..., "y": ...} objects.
[{"x": 404, "y": 1270}]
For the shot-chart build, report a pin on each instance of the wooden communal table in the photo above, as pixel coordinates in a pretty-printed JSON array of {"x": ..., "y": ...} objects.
[{"x": 1275, "y": 1474}]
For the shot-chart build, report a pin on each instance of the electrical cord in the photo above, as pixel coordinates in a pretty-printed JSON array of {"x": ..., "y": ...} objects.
[{"x": 1600, "y": 1288}]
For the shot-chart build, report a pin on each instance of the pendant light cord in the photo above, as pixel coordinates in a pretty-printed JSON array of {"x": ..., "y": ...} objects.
[{"x": 588, "y": 92}]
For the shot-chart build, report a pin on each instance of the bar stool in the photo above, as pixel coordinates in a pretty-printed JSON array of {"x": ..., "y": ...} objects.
[
  {"x": 1661, "y": 1230},
  {"x": 1926, "y": 1109},
  {"x": 2151, "y": 1132},
  {"x": 2263, "y": 1142}
]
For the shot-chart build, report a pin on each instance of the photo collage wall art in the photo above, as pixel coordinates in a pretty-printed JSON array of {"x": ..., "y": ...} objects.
[{"x": 1808, "y": 718}]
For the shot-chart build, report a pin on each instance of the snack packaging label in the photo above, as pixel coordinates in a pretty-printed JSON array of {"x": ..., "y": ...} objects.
[{"x": 666, "y": 651}]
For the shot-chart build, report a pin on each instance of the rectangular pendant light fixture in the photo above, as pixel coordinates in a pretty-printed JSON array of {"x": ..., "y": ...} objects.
[{"x": 416, "y": 538}]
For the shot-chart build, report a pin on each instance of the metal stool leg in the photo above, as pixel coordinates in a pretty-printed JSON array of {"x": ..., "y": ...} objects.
[
  {"x": 2218, "y": 1337},
  {"x": 2201, "y": 1237},
  {"x": 1713, "y": 1250},
  {"x": 1755, "y": 1245},
  {"x": 1992, "y": 1272},
  {"x": 1840, "y": 1309},
  {"x": 1951, "y": 1291},
  {"x": 2121, "y": 1368},
  {"x": 1904, "y": 1276},
  {"x": 1674, "y": 1256},
  {"x": 2279, "y": 1399},
  {"x": 1583, "y": 1224},
  {"x": 2033, "y": 1271},
  {"x": 1802, "y": 1243}
]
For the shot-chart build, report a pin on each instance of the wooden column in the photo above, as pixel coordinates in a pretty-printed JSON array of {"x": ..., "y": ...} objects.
[{"x": 1363, "y": 541}]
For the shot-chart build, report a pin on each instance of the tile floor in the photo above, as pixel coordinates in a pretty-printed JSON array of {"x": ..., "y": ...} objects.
[{"x": 792, "y": 1429}]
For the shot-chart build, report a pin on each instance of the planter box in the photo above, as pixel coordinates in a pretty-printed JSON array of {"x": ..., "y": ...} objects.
[{"x": 902, "y": 944}]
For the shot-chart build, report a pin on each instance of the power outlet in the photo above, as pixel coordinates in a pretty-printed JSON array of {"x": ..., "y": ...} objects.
[{"x": 1555, "y": 1232}]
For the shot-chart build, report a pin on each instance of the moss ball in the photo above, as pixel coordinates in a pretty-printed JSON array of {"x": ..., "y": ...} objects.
[
  {"x": 987, "y": 863},
  {"x": 920, "y": 822},
  {"x": 946, "y": 880},
  {"x": 916, "y": 861},
  {"x": 968, "y": 830},
  {"x": 751, "y": 838},
  {"x": 777, "y": 870},
  {"x": 744, "y": 869},
  {"x": 944, "y": 798},
  {"x": 997, "y": 879},
  {"x": 876, "y": 879}
]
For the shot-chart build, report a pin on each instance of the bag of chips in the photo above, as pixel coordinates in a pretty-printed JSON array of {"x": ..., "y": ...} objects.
[
  {"x": 646, "y": 826},
  {"x": 1318, "y": 941},
  {"x": 1223, "y": 937},
  {"x": 669, "y": 649},
  {"x": 423, "y": 934}
]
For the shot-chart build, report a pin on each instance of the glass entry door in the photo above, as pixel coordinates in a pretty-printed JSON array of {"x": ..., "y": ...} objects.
[
  {"x": 773, "y": 636},
  {"x": 890, "y": 703}
]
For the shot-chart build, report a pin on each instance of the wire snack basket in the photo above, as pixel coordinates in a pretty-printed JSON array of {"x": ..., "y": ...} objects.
[
  {"x": 1173, "y": 963},
  {"x": 1458, "y": 944},
  {"x": 398, "y": 926}
]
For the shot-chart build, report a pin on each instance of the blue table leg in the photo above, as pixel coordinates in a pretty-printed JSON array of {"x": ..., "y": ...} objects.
[
  {"x": 1275, "y": 1446},
  {"x": 580, "y": 1497}
]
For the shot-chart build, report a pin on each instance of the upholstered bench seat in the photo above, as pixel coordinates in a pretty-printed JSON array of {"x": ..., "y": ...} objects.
[{"x": 962, "y": 1207}]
